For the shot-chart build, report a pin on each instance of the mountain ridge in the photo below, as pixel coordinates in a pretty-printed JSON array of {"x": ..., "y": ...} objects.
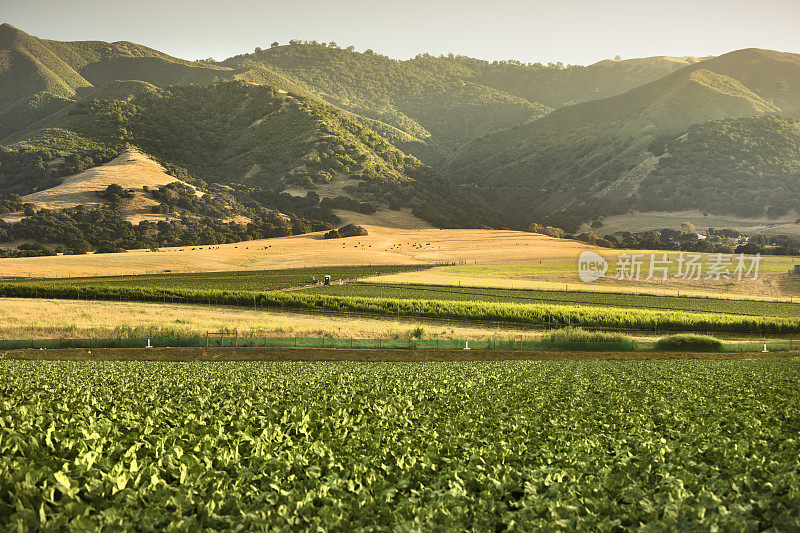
[
  {"x": 563, "y": 159},
  {"x": 457, "y": 141}
]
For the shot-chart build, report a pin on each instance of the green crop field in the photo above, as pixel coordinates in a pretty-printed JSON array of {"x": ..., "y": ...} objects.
[
  {"x": 540, "y": 314},
  {"x": 623, "y": 300},
  {"x": 659, "y": 445},
  {"x": 256, "y": 280}
]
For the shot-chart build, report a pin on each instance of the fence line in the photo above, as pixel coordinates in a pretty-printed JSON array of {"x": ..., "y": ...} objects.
[{"x": 359, "y": 343}]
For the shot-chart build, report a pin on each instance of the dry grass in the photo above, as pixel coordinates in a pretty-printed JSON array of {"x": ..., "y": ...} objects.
[
  {"x": 402, "y": 219},
  {"x": 383, "y": 246},
  {"x": 47, "y": 319},
  {"x": 483, "y": 258},
  {"x": 130, "y": 170}
]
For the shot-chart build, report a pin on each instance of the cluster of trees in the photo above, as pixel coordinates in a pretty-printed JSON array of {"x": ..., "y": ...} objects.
[
  {"x": 26, "y": 169},
  {"x": 749, "y": 167},
  {"x": 27, "y": 250},
  {"x": 114, "y": 194},
  {"x": 350, "y": 230},
  {"x": 725, "y": 241},
  {"x": 175, "y": 197},
  {"x": 80, "y": 230},
  {"x": 10, "y": 203}
]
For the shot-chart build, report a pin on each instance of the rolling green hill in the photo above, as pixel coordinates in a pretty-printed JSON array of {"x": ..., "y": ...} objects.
[
  {"x": 307, "y": 129},
  {"x": 39, "y": 77},
  {"x": 428, "y": 106},
  {"x": 441, "y": 108},
  {"x": 591, "y": 159},
  {"x": 443, "y": 102},
  {"x": 257, "y": 141}
]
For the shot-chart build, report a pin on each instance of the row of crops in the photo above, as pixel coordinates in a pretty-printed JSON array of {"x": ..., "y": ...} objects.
[
  {"x": 251, "y": 280},
  {"x": 533, "y": 314},
  {"x": 627, "y": 300},
  {"x": 654, "y": 445}
]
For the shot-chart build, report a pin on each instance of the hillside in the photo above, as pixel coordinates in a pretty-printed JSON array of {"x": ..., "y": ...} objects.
[
  {"x": 317, "y": 134},
  {"x": 253, "y": 140},
  {"x": 39, "y": 77},
  {"x": 131, "y": 170},
  {"x": 427, "y": 106},
  {"x": 443, "y": 102},
  {"x": 591, "y": 159},
  {"x": 443, "y": 109}
]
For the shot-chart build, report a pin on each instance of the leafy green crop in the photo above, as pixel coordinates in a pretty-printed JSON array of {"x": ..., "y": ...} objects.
[{"x": 407, "y": 446}]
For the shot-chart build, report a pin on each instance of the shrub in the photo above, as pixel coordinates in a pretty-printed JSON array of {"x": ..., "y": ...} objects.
[
  {"x": 689, "y": 342},
  {"x": 352, "y": 230},
  {"x": 572, "y": 334}
]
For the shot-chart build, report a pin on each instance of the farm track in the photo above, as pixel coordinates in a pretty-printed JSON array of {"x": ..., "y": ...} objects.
[{"x": 360, "y": 355}]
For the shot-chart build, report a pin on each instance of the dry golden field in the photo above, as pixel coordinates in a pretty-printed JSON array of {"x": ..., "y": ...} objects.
[
  {"x": 484, "y": 258},
  {"x": 383, "y": 246},
  {"x": 22, "y": 318}
]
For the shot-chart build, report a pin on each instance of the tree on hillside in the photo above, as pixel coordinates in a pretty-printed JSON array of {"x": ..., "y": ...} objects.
[
  {"x": 274, "y": 44},
  {"x": 687, "y": 227}
]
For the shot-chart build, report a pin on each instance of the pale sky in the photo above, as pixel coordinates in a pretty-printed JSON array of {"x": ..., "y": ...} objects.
[{"x": 571, "y": 31}]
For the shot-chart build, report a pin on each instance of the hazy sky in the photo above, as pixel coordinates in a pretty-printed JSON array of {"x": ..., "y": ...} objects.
[{"x": 572, "y": 31}]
